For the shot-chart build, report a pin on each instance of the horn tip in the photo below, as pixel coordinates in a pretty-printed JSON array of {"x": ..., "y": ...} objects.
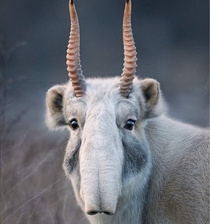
[
  {"x": 71, "y": 2},
  {"x": 128, "y": 5}
]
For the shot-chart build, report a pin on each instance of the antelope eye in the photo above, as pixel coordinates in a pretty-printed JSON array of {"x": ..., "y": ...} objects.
[
  {"x": 74, "y": 124},
  {"x": 129, "y": 124}
]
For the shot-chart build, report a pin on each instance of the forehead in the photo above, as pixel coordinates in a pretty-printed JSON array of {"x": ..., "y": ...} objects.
[
  {"x": 102, "y": 97},
  {"x": 128, "y": 109}
]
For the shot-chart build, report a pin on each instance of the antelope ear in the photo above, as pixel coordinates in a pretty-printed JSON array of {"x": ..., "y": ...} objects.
[
  {"x": 153, "y": 98},
  {"x": 54, "y": 102}
]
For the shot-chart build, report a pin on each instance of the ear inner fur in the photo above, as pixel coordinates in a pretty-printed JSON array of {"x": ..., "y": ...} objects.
[{"x": 150, "y": 89}]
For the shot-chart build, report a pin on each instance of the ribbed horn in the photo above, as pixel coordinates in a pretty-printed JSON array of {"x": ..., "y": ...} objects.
[
  {"x": 73, "y": 54},
  {"x": 130, "y": 58}
]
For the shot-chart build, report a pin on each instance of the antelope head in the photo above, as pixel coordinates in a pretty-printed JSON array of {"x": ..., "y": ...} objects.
[{"x": 107, "y": 148}]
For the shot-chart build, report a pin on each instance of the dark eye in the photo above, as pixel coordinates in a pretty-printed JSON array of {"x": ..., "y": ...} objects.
[
  {"x": 74, "y": 124},
  {"x": 129, "y": 124}
]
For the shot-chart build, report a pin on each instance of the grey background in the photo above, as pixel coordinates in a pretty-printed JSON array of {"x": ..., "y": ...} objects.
[{"x": 172, "y": 40}]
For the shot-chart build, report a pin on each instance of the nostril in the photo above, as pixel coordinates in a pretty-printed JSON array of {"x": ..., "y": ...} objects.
[
  {"x": 107, "y": 213},
  {"x": 92, "y": 212}
]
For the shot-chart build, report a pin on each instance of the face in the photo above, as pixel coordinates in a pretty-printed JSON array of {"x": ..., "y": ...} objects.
[{"x": 107, "y": 149}]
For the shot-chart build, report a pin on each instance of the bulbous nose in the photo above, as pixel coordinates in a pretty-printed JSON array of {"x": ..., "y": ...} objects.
[{"x": 100, "y": 171}]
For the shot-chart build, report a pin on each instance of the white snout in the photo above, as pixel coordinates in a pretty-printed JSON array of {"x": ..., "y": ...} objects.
[
  {"x": 100, "y": 180},
  {"x": 101, "y": 195}
]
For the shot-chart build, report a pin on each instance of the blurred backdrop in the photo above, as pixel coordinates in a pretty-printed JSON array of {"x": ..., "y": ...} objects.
[{"x": 172, "y": 40}]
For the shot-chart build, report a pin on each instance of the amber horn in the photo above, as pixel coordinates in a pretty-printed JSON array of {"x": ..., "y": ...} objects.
[
  {"x": 130, "y": 58},
  {"x": 73, "y": 54}
]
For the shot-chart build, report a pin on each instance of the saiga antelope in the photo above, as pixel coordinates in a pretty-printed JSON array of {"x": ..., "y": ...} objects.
[{"x": 127, "y": 160}]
